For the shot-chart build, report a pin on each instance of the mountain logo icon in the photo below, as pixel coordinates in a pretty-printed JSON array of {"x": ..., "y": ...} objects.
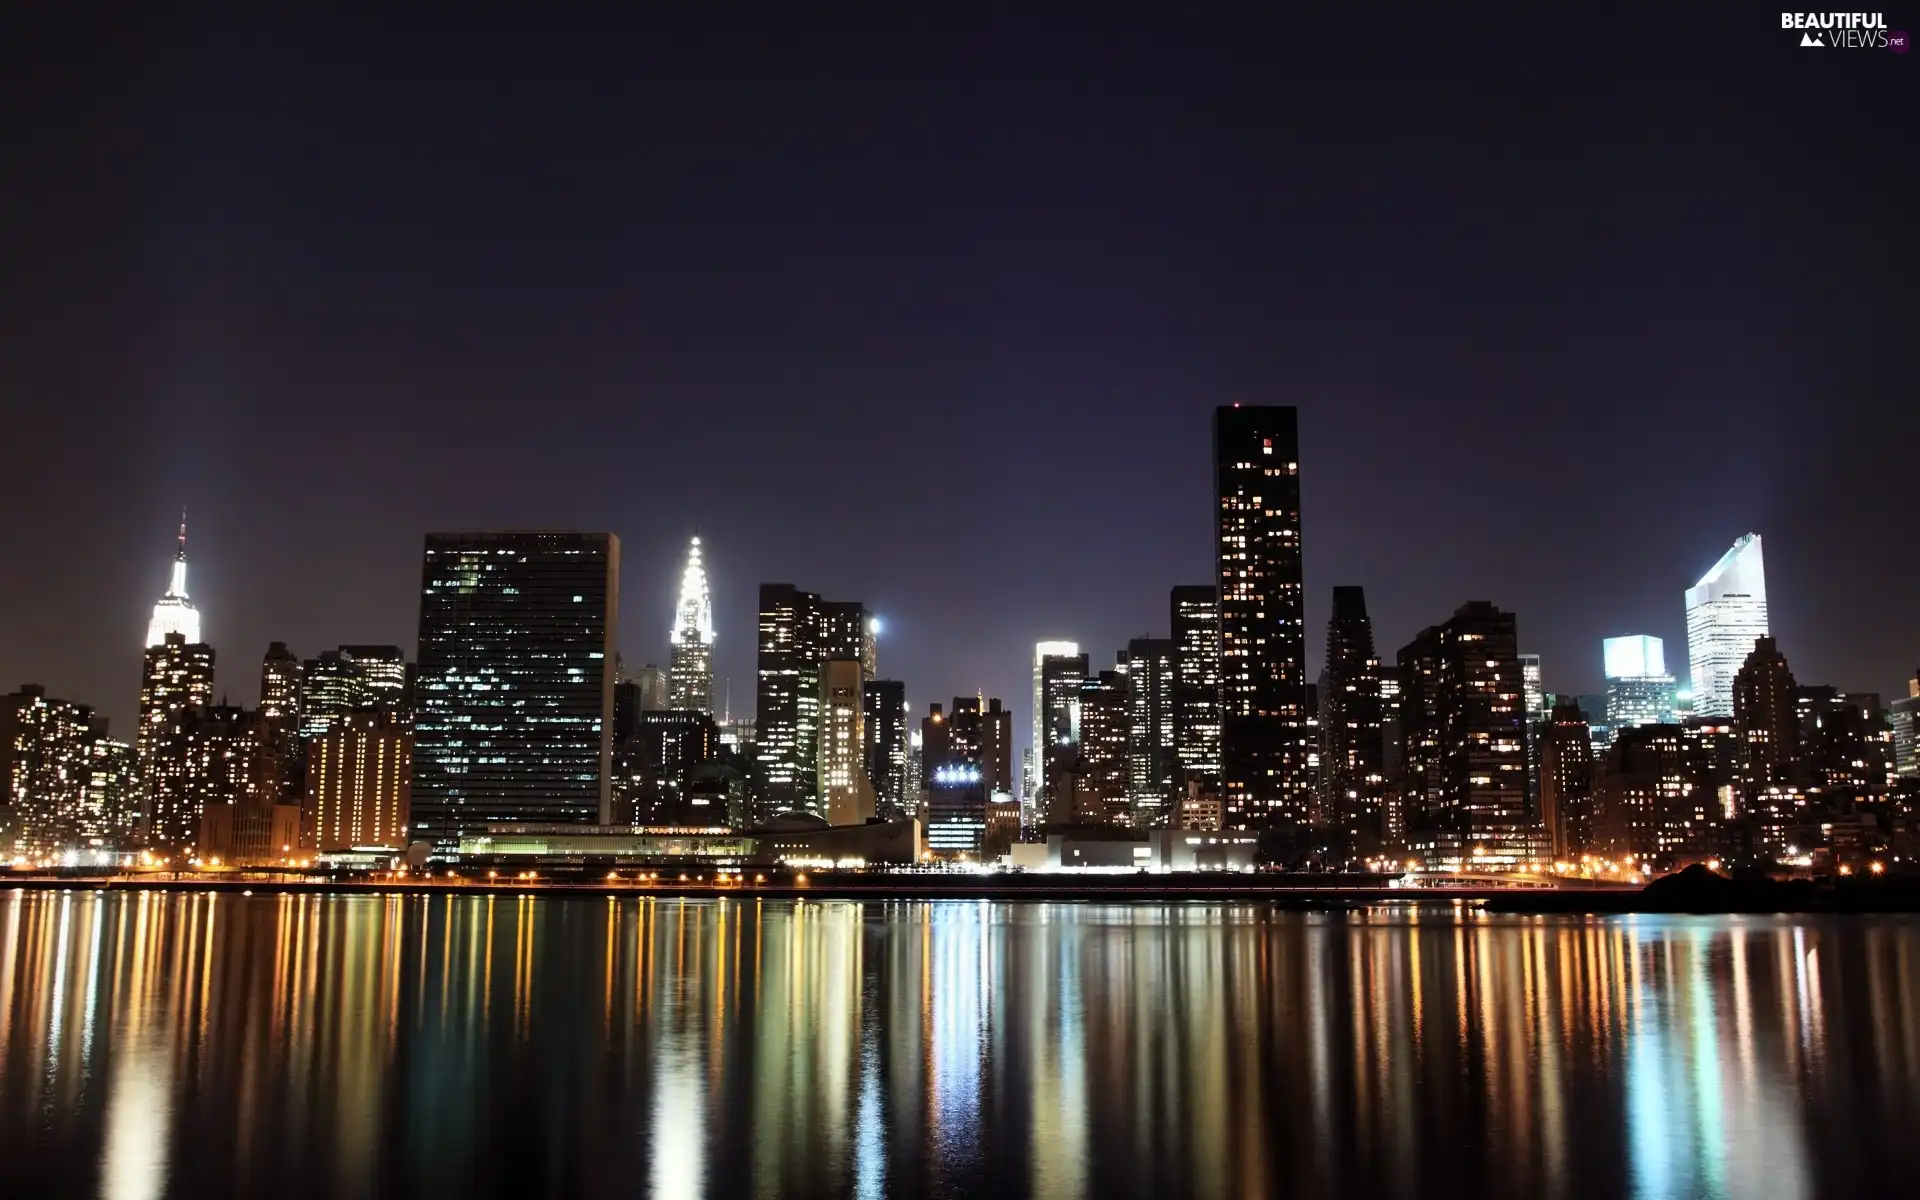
[{"x": 1808, "y": 39}]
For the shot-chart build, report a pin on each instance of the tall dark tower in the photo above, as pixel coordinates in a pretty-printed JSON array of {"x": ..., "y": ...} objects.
[
  {"x": 1352, "y": 777},
  {"x": 1264, "y": 731},
  {"x": 515, "y": 682}
]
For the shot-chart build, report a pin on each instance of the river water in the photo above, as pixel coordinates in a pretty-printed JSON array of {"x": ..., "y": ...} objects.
[{"x": 206, "y": 1046}]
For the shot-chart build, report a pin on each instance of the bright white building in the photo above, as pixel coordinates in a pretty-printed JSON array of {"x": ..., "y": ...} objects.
[
  {"x": 690, "y": 670},
  {"x": 1726, "y": 612},
  {"x": 1030, "y": 803},
  {"x": 175, "y": 613},
  {"x": 1639, "y": 690}
]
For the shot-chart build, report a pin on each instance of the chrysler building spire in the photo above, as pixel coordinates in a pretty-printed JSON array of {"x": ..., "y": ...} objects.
[
  {"x": 175, "y": 613},
  {"x": 690, "y": 671}
]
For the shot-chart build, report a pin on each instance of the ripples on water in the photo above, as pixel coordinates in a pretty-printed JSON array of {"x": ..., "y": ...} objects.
[{"x": 208, "y": 1046}]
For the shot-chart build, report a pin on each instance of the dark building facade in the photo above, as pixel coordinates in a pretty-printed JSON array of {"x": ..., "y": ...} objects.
[
  {"x": 1265, "y": 749},
  {"x": 515, "y": 682},
  {"x": 657, "y": 763},
  {"x": 1195, "y": 616},
  {"x": 996, "y": 746},
  {"x": 1464, "y": 712},
  {"x": 1060, "y": 678},
  {"x": 1352, "y": 747},
  {"x": 1153, "y": 765},
  {"x": 1766, "y": 711},
  {"x": 886, "y": 751},
  {"x": 1566, "y": 781}
]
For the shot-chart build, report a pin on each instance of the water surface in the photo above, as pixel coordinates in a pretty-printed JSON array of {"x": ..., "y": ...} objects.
[{"x": 205, "y": 1046}]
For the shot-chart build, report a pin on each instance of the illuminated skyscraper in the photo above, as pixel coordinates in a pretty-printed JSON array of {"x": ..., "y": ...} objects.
[
  {"x": 1101, "y": 770},
  {"x": 174, "y": 613},
  {"x": 1533, "y": 687},
  {"x": 280, "y": 685},
  {"x": 1265, "y": 750},
  {"x": 690, "y": 673},
  {"x": 799, "y": 634},
  {"x": 1639, "y": 690},
  {"x": 1196, "y": 699},
  {"x": 1153, "y": 769},
  {"x": 45, "y": 773},
  {"x": 514, "y": 691},
  {"x": 353, "y": 679},
  {"x": 1041, "y": 652},
  {"x": 1464, "y": 713},
  {"x": 1726, "y": 613},
  {"x": 176, "y": 685},
  {"x": 848, "y": 795},
  {"x": 113, "y": 793}
]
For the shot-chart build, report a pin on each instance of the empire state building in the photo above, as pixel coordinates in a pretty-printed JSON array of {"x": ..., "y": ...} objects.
[{"x": 175, "y": 613}]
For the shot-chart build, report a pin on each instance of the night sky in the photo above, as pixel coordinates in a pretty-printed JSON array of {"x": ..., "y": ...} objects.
[{"x": 937, "y": 322}]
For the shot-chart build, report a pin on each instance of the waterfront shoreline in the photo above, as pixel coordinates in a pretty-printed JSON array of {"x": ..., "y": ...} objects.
[{"x": 1674, "y": 895}]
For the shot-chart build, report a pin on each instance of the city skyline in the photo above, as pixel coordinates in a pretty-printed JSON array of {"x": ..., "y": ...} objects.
[{"x": 693, "y": 610}]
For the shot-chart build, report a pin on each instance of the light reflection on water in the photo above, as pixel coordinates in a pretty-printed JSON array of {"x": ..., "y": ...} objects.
[{"x": 197, "y": 1045}]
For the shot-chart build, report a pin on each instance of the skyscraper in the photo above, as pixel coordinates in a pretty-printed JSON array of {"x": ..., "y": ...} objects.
[
  {"x": 787, "y": 708},
  {"x": 1060, "y": 678},
  {"x": 1101, "y": 770},
  {"x": 1766, "y": 711},
  {"x": 1639, "y": 690},
  {"x": 1195, "y": 612},
  {"x": 1352, "y": 770},
  {"x": 846, "y": 630},
  {"x": 1566, "y": 782},
  {"x": 885, "y": 701},
  {"x": 799, "y": 634},
  {"x": 46, "y": 771},
  {"x": 848, "y": 794},
  {"x": 1041, "y": 652},
  {"x": 690, "y": 672},
  {"x": 996, "y": 747},
  {"x": 514, "y": 692},
  {"x": 385, "y": 683},
  {"x": 280, "y": 684},
  {"x": 113, "y": 792},
  {"x": 953, "y": 746},
  {"x": 174, "y": 613},
  {"x": 1466, "y": 760},
  {"x": 652, "y": 692},
  {"x": 1726, "y": 612},
  {"x": 1533, "y": 687},
  {"x": 1153, "y": 767},
  {"x": 176, "y": 684},
  {"x": 1265, "y": 767}
]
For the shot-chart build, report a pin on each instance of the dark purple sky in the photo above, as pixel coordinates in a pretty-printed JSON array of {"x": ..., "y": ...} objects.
[{"x": 937, "y": 322}]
